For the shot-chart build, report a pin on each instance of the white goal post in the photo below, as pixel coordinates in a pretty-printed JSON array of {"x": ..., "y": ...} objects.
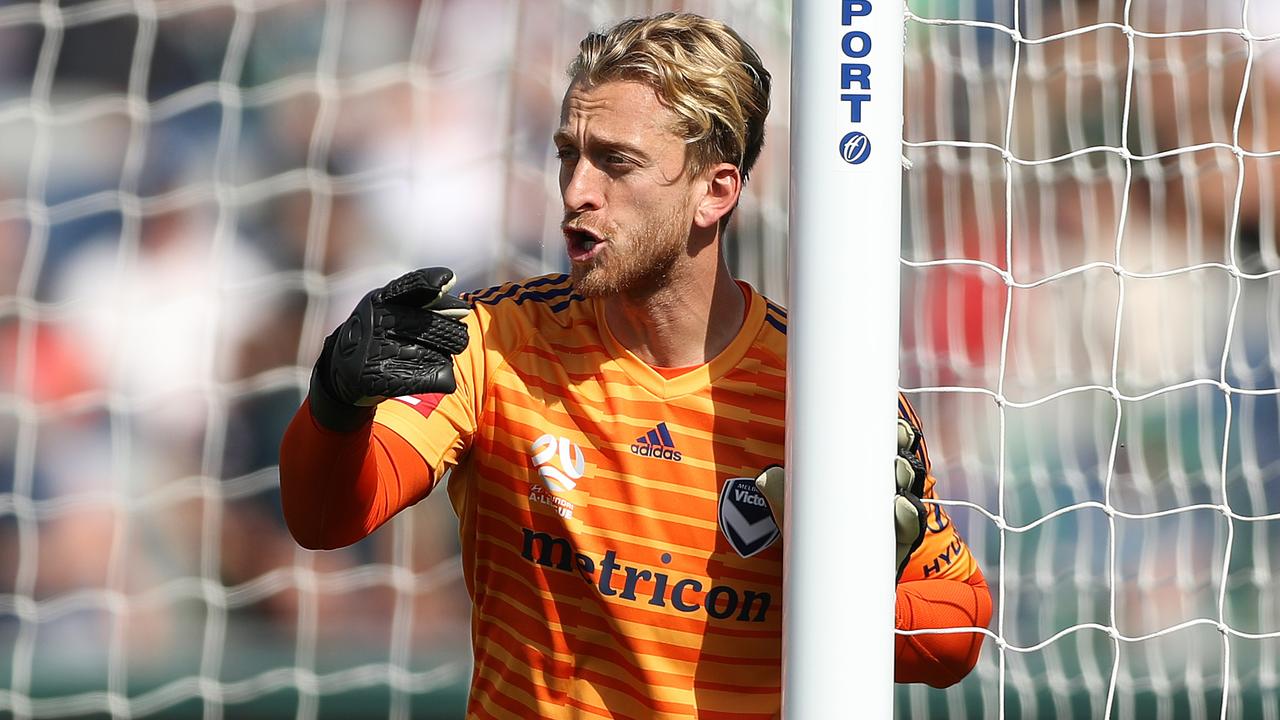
[{"x": 842, "y": 362}]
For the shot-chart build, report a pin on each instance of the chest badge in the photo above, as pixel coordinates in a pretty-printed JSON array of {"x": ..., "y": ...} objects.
[
  {"x": 744, "y": 516},
  {"x": 559, "y": 462}
]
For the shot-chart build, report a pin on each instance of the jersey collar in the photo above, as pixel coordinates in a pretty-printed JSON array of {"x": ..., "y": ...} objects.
[{"x": 696, "y": 378}]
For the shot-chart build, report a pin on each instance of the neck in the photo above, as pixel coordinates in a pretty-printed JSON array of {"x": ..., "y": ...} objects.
[{"x": 688, "y": 321}]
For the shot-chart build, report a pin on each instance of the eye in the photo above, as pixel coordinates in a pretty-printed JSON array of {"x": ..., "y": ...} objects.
[
  {"x": 616, "y": 159},
  {"x": 566, "y": 153}
]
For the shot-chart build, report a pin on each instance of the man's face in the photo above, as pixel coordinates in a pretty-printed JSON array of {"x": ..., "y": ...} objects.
[{"x": 628, "y": 199}]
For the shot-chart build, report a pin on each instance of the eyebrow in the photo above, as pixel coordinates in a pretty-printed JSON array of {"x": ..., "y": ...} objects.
[{"x": 564, "y": 137}]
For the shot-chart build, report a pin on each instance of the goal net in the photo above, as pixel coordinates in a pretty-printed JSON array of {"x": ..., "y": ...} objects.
[
  {"x": 194, "y": 192},
  {"x": 1091, "y": 330}
]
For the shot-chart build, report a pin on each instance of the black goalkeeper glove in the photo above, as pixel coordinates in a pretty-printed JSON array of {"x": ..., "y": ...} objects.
[
  {"x": 909, "y": 513},
  {"x": 400, "y": 340}
]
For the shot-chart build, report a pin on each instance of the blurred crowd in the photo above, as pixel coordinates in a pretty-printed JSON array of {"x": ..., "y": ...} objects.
[{"x": 177, "y": 235}]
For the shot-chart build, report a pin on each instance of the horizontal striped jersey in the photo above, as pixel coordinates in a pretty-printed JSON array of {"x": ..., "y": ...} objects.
[
  {"x": 620, "y": 560},
  {"x": 605, "y": 582}
]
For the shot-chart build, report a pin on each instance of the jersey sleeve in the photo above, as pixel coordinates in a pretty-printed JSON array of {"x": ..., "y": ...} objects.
[
  {"x": 941, "y": 587},
  {"x": 336, "y": 488},
  {"x": 440, "y": 427},
  {"x": 942, "y": 554}
]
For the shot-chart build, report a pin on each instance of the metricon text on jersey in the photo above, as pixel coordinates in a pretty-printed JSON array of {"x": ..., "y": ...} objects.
[{"x": 720, "y": 601}]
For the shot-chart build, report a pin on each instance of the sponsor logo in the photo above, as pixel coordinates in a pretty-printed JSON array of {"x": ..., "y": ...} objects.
[
  {"x": 559, "y": 462},
  {"x": 950, "y": 554},
  {"x": 855, "y": 78},
  {"x": 855, "y": 148},
  {"x": 745, "y": 519},
  {"x": 650, "y": 585},
  {"x": 562, "y": 507},
  {"x": 657, "y": 443}
]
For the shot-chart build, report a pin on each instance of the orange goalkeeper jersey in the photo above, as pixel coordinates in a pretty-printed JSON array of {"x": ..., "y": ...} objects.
[{"x": 620, "y": 560}]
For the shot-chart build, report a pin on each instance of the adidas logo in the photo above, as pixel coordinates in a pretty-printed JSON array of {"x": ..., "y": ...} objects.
[{"x": 657, "y": 443}]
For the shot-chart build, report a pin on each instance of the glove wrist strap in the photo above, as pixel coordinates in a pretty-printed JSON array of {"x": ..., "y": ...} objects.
[{"x": 329, "y": 412}]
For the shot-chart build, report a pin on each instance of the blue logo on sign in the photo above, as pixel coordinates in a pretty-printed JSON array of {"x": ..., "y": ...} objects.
[{"x": 855, "y": 148}]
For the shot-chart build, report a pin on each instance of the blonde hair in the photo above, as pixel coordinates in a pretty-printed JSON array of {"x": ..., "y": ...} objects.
[{"x": 700, "y": 68}]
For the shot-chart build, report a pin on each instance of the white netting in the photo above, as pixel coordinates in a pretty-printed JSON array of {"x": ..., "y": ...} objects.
[
  {"x": 192, "y": 194},
  {"x": 1091, "y": 330}
]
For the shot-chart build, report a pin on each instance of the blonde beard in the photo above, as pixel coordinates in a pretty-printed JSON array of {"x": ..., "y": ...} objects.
[{"x": 642, "y": 264}]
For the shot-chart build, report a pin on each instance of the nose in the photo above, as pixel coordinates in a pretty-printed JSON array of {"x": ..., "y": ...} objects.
[{"x": 581, "y": 186}]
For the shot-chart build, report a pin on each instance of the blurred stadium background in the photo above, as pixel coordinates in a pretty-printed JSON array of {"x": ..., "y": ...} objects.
[{"x": 194, "y": 192}]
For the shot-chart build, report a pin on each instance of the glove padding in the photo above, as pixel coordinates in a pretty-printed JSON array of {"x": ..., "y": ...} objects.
[
  {"x": 909, "y": 513},
  {"x": 772, "y": 483},
  {"x": 400, "y": 340}
]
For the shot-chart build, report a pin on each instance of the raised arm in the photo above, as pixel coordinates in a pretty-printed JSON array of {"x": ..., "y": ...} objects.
[
  {"x": 337, "y": 487},
  {"x": 341, "y": 474}
]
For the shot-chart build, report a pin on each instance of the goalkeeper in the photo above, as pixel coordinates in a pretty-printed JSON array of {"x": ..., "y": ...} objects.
[{"x": 605, "y": 429}]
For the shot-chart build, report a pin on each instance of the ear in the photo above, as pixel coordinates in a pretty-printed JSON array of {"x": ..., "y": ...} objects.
[{"x": 723, "y": 186}]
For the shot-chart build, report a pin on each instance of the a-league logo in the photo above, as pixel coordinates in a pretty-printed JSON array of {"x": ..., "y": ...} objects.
[
  {"x": 559, "y": 476},
  {"x": 855, "y": 148}
]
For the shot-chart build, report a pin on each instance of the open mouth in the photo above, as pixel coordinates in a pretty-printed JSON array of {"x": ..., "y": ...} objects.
[{"x": 582, "y": 244}]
